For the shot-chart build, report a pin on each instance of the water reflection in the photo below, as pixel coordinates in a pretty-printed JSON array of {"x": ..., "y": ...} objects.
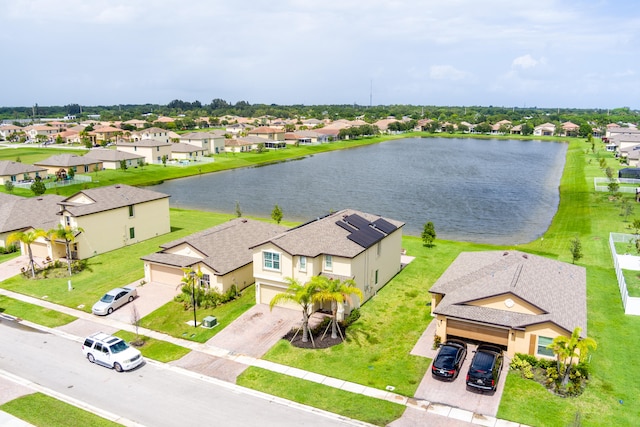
[{"x": 488, "y": 191}]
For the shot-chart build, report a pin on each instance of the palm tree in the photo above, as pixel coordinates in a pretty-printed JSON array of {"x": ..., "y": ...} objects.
[
  {"x": 568, "y": 348},
  {"x": 68, "y": 235},
  {"x": 336, "y": 292},
  {"x": 301, "y": 295},
  {"x": 27, "y": 238}
]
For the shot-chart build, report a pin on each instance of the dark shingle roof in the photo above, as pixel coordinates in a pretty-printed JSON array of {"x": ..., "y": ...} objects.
[
  {"x": 225, "y": 247},
  {"x": 19, "y": 213},
  {"x": 107, "y": 198},
  {"x": 67, "y": 160},
  {"x": 106, "y": 155},
  {"x": 556, "y": 288},
  {"x": 15, "y": 168},
  {"x": 325, "y": 236}
]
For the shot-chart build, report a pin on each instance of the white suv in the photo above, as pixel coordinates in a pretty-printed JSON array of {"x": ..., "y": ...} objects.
[{"x": 111, "y": 352}]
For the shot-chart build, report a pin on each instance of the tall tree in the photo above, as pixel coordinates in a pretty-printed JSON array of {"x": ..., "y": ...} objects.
[
  {"x": 68, "y": 235},
  {"x": 276, "y": 214},
  {"x": 335, "y": 292},
  {"x": 27, "y": 238},
  {"x": 38, "y": 187},
  {"x": 300, "y": 294},
  {"x": 575, "y": 246},
  {"x": 428, "y": 234}
]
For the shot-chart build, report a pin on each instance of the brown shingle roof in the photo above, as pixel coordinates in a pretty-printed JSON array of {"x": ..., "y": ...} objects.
[
  {"x": 108, "y": 198},
  {"x": 106, "y": 155},
  {"x": 558, "y": 289},
  {"x": 8, "y": 167},
  {"x": 18, "y": 213},
  {"x": 225, "y": 246},
  {"x": 67, "y": 160}
]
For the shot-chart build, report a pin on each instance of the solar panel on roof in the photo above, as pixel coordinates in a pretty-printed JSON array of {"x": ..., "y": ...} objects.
[
  {"x": 361, "y": 239},
  {"x": 384, "y": 225},
  {"x": 357, "y": 221},
  {"x": 345, "y": 226}
]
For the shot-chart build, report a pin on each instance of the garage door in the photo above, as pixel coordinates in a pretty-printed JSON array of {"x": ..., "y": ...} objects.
[
  {"x": 267, "y": 292},
  {"x": 477, "y": 332},
  {"x": 165, "y": 274},
  {"x": 40, "y": 250}
]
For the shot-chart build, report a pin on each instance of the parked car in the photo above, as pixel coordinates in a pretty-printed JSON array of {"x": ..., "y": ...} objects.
[
  {"x": 111, "y": 352},
  {"x": 485, "y": 368},
  {"x": 449, "y": 360},
  {"x": 113, "y": 300}
]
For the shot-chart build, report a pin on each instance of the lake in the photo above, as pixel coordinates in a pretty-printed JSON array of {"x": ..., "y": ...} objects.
[{"x": 477, "y": 190}]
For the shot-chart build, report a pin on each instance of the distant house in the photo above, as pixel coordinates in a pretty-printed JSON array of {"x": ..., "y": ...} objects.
[
  {"x": 154, "y": 133},
  {"x": 111, "y": 159},
  {"x": 105, "y": 133},
  {"x": 546, "y": 129},
  {"x": 343, "y": 245},
  {"x": 266, "y": 132},
  {"x": 7, "y": 130},
  {"x": 211, "y": 142},
  {"x": 62, "y": 163},
  {"x": 513, "y": 299},
  {"x": 113, "y": 217},
  {"x": 17, "y": 172},
  {"x": 183, "y": 151},
  {"x": 33, "y": 131},
  {"x": 242, "y": 144},
  {"x": 570, "y": 129},
  {"x": 151, "y": 149},
  {"x": 220, "y": 253},
  {"x": 305, "y": 137},
  {"x": 137, "y": 123}
]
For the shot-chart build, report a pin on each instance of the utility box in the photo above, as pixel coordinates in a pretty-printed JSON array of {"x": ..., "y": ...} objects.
[{"x": 209, "y": 322}]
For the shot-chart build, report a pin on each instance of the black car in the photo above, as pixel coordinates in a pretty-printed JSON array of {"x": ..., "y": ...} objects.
[
  {"x": 485, "y": 368},
  {"x": 449, "y": 360}
]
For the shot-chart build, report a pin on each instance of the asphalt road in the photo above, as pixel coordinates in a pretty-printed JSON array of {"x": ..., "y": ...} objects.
[{"x": 151, "y": 395}]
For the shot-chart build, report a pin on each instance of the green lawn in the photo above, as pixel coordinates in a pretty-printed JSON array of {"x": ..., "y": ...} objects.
[
  {"x": 43, "y": 411},
  {"x": 34, "y": 313}
]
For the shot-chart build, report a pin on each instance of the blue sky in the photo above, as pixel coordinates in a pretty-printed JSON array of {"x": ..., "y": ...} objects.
[{"x": 546, "y": 53}]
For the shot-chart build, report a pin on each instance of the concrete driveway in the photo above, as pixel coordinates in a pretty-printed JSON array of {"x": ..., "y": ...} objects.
[{"x": 455, "y": 393}]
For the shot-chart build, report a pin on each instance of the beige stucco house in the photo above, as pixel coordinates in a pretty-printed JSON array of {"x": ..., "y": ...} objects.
[
  {"x": 210, "y": 142},
  {"x": 545, "y": 129},
  {"x": 182, "y": 151},
  {"x": 151, "y": 149},
  {"x": 343, "y": 245},
  {"x": 16, "y": 172},
  {"x": 151, "y": 133},
  {"x": 64, "y": 162},
  {"x": 111, "y": 159},
  {"x": 220, "y": 253},
  {"x": 113, "y": 217},
  {"x": 266, "y": 132},
  {"x": 517, "y": 300}
]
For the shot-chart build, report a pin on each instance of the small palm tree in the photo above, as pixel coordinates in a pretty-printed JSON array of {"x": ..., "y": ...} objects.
[
  {"x": 568, "y": 348},
  {"x": 301, "y": 295},
  {"x": 336, "y": 292},
  {"x": 27, "y": 238},
  {"x": 68, "y": 235}
]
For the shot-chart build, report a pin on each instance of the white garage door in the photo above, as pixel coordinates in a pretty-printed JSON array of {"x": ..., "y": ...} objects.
[
  {"x": 165, "y": 274},
  {"x": 39, "y": 249},
  {"x": 477, "y": 332}
]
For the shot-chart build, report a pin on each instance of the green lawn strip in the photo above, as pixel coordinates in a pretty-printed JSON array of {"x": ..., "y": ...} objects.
[
  {"x": 351, "y": 405},
  {"x": 44, "y": 411},
  {"x": 112, "y": 269},
  {"x": 34, "y": 313},
  {"x": 159, "y": 350},
  {"x": 172, "y": 318},
  {"x": 7, "y": 257},
  {"x": 31, "y": 154},
  {"x": 632, "y": 279},
  {"x": 378, "y": 344}
]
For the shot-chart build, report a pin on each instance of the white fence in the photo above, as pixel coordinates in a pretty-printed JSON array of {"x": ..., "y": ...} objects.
[
  {"x": 602, "y": 184},
  {"x": 77, "y": 179},
  {"x": 626, "y": 262}
]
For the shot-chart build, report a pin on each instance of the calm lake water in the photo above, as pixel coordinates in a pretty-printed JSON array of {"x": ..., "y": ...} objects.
[{"x": 486, "y": 191}]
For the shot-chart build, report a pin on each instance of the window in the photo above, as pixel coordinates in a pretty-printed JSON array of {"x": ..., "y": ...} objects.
[
  {"x": 205, "y": 281},
  {"x": 132, "y": 233},
  {"x": 542, "y": 350},
  {"x": 271, "y": 260},
  {"x": 13, "y": 178},
  {"x": 67, "y": 220},
  {"x": 376, "y": 281},
  {"x": 303, "y": 263},
  {"x": 328, "y": 262},
  {"x": 86, "y": 168},
  {"x": 130, "y": 210}
]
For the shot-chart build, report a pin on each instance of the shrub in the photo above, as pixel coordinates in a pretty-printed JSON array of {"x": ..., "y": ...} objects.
[
  {"x": 437, "y": 339},
  {"x": 352, "y": 317}
]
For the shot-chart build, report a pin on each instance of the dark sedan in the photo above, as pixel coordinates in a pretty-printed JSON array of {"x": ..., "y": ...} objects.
[
  {"x": 449, "y": 360},
  {"x": 485, "y": 368}
]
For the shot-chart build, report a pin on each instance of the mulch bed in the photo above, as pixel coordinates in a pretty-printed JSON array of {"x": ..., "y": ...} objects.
[{"x": 317, "y": 339}]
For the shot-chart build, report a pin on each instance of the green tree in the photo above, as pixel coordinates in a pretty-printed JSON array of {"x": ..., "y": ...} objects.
[
  {"x": 67, "y": 235},
  {"x": 428, "y": 234},
  {"x": 567, "y": 349},
  {"x": 141, "y": 163},
  {"x": 164, "y": 160},
  {"x": 72, "y": 172},
  {"x": 27, "y": 238},
  {"x": 238, "y": 211},
  {"x": 336, "y": 292},
  {"x": 8, "y": 185},
  {"x": 38, "y": 187},
  {"x": 276, "y": 214},
  {"x": 303, "y": 296},
  {"x": 575, "y": 246},
  {"x": 123, "y": 165}
]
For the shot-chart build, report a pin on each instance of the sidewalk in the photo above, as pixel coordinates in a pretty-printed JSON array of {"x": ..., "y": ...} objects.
[{"x": 418, "y": 409}]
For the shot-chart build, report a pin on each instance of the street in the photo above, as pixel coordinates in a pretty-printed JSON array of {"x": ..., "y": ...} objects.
[{"x": 151, "y": 395}]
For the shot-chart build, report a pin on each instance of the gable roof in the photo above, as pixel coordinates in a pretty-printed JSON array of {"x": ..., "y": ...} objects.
[
  {"x": 345, "y": 233},
  {"x": 18, "y": 213},
  {"x": 225, "y": 247},
  {"x": 556, "y": 288},
  {"x": 150, "y": 142},
  {"x": 107, "y": 198},
  {"x": 106, "y": 155},
  {"x": 183, "y": 147},
  {"x": 8, "y": 167},
  {"x": 67, "y": 160}
]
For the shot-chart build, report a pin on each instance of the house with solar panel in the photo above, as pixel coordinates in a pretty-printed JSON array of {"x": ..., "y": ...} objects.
[{"x": 342, "y": 245}]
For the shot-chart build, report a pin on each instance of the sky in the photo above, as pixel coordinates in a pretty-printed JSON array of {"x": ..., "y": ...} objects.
[{"x": 547, "y": 53}]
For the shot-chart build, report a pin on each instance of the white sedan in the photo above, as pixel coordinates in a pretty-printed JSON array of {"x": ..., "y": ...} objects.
[{"x": 114, "y": 299}]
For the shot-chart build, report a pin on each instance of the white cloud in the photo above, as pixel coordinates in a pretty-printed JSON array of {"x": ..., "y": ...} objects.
[
  {"x": 446, "y": 72},
  {"x": 527, "y": 61}
]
